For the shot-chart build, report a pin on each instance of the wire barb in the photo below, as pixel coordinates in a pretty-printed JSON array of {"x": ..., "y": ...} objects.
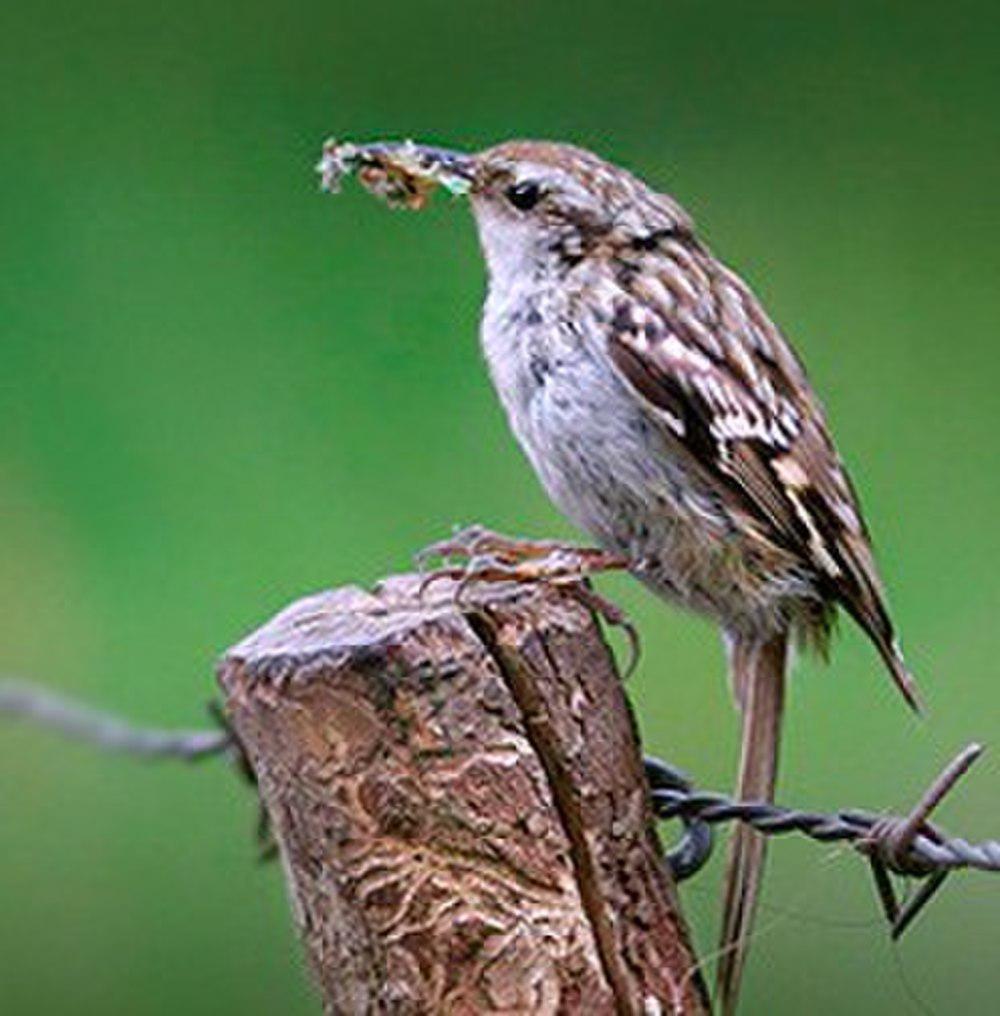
[{"x": 909, "y": 846}]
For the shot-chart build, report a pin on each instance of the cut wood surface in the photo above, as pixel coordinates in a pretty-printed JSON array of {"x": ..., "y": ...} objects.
[{"x": 458, "y": 798}]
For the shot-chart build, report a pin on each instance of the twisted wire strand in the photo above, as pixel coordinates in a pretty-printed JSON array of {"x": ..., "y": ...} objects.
[
  {"x": 929, "y": 851},
  {"x": 672, "y": 795},
  {"x": 104, "y": 730}
]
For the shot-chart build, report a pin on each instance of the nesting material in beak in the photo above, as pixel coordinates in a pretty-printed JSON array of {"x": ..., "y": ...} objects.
[{"x": 401, "y": 173}]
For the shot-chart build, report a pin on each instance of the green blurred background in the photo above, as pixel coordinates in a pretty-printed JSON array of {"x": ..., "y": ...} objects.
[{"x": 220, "y": 390}]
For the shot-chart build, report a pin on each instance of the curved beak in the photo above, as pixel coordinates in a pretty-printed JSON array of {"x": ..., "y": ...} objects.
[{"x": 400, "y": 172}]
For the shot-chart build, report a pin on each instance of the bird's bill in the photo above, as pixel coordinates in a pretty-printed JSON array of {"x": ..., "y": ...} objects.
[{"x": 402, "y": 173}]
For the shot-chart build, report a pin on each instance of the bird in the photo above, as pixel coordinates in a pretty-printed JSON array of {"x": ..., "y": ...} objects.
[{"x": 667, "y": 417}]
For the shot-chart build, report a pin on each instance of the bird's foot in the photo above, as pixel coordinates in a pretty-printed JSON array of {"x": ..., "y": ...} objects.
[
  {"x": 487, "y": 556},
  {"x": 476, "y": 555}
]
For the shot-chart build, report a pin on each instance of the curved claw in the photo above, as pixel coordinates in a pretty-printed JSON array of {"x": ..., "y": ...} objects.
[
  {"x": 634, "y": 648},
  {"x": 438, "y": 575},
  {"x": 480, "y": 568},
  {"x": 613, "y": 615},
  {"x": 462, "y": 543}
]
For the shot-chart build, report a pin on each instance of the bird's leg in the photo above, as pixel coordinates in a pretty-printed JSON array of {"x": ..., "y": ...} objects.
[{"x": 492, "y": 557}]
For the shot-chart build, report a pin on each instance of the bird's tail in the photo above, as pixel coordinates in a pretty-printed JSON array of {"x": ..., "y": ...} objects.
[
  {"x": 874, "y": 619},
  {"x": 757, "y": 668}
]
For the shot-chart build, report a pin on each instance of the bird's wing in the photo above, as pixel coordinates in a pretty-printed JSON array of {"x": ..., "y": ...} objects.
[{"x": 694, "y": 343}]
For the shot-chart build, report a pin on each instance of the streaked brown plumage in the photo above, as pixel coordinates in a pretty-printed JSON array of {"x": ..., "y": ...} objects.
[{"x": 667, "y": 416}]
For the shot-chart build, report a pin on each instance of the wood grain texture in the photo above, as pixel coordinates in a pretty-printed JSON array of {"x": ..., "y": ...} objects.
[{"x": 459, "y": 802}]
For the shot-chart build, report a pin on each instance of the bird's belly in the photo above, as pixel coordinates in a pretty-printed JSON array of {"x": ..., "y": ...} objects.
[{"x": 615, "y": 473}]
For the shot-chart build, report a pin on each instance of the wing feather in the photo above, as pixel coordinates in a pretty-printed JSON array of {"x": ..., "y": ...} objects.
[{"x": 705, "y": 356}]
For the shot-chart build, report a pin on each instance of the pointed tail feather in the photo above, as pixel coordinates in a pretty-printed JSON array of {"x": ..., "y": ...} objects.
[
  {"x": 757, "y": 668},
  {"x": 904, "y": 680},
  {"x": 871, "y": 614}
]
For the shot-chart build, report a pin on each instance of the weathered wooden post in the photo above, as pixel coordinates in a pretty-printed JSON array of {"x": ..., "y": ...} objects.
[{"x": 459, "y": 801}]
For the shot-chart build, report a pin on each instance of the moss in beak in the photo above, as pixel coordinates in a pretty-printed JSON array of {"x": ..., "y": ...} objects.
[{"x": 401, "y": 173}]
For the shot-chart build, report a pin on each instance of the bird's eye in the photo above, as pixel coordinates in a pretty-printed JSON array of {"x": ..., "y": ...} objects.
[{"x": 524, "y": 196}]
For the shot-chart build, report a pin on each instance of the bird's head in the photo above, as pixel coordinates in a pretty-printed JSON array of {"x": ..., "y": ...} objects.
[
  {"x": 540, "y": 207},
  {"x": 544, "y": 207}
]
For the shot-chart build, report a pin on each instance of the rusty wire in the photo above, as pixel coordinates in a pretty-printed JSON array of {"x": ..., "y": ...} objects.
[
  {"x": 907, "y": 846},
  {"x": 851, "y": 825}
]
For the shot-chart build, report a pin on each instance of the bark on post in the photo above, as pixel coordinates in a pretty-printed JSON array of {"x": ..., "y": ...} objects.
[{"x": 459, "y": 803}]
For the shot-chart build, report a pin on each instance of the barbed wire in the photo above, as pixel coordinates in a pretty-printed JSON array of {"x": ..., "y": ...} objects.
[
  {"x": 908, "y": 846},
  {"x": 853, "y": 826},
  {"x": 23, "y": 700}
]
